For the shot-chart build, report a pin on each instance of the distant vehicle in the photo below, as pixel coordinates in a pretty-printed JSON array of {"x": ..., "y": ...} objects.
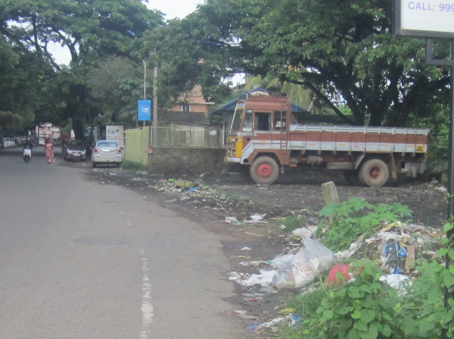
[
  {"x": 57, "y": 142},
  {"x": 27, "y": 154},
  {"x": 74, "y": 150},
  {"x": 107, "y": 152},
  {"x": 7, "y": 142},
  {"x": 41, "y": 141}
]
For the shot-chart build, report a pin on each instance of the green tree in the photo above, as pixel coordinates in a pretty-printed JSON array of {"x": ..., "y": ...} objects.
[
  {"x": 343, "y": 51},
  {"x": 115, "y": 85},
  {"x": 91, "y": 30}
]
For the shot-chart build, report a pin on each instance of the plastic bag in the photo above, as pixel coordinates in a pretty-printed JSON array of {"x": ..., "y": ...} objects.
[{"x": 310, "y": 260}]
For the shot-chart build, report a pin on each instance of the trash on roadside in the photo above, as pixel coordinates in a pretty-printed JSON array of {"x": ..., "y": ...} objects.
[
  {"x": 252, "y": 263},
  {"x": 258, "y": 217},
  {"x": 263, "y": 279},
  {"x": 269, "y": 324},
  {"x": 245, "y": 316},
  {"x": 305, "y": 232},
  {"x": 183, "y": 183},
  {"x": 230, "y": 220},
  {"x": 253, "y": 326},
  {"x": 307, "y": 263},
  {"x": 246, "y": 249},
  {"x": 342, "y": 255},
  {"x": 255, "y": 222},
  {"x": 281, "y": 260},
  {"x": 395, "y": 256},
  {"x": 397, "y": 281},
  {"x": 339, "y": 274}
]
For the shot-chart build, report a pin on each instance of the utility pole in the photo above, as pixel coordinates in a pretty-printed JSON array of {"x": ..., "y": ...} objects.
[
  {"x": 155, "y": 106},
  {"x": 144, "y": 83},
  {"x": 155, "y": 118}
]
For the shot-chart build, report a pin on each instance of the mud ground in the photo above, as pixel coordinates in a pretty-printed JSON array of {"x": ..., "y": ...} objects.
[{"x": 291, "y": 194}]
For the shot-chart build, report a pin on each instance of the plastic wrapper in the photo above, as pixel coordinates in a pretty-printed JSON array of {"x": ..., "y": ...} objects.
[{"x": 307, "y": 263}]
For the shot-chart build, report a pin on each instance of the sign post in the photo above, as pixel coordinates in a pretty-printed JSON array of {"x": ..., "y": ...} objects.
[
  {"x": 144, "y": 110},
  {"x": 429, "y": 20}
]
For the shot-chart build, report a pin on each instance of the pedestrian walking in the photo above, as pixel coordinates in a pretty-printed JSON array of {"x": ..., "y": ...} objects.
[{"x": 49, "y": 150}]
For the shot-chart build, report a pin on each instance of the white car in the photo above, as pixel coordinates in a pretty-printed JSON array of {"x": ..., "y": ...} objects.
[
  {"x": 107, "y": 152},
  {"x": 7, "y": 142}
]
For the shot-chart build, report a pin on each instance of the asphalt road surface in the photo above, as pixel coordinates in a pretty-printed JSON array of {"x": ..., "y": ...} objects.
[{"x": 83, "y": 260}]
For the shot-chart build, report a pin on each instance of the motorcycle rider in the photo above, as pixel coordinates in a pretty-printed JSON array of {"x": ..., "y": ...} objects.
[{"x": 28, "y": 144}]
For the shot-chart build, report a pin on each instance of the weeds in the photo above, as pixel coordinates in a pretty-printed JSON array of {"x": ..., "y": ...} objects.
[
  {"x": 133, "y": 166},
  {"x": 353, "y": 218},
  {"x": 293, "y": 222}
]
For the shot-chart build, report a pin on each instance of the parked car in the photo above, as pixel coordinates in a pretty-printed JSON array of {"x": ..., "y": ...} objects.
[
  {"x": 7, "y": 142},
  {"x": 56, "y": 141},
  {"x": 74, "y": 150},
  {"x": 107, "y": 152}
]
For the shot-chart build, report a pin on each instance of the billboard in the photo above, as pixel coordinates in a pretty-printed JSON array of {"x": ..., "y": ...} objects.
[
  {"x": 115, "y": 133},
  {"x": 424, "y": 19}
]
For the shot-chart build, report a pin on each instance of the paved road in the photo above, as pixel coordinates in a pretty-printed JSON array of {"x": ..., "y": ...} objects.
[{"x": 84, "y": 260}]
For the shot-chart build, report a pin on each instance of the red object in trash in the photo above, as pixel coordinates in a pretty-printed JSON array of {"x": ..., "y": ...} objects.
[{"x": 339, "y": 274}]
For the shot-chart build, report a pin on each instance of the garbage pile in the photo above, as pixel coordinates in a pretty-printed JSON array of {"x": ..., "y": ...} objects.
[
  {"x": 397, "y": 245},
  {"x": 394, "y": 247},
  {"x": 200, "y": 195}
]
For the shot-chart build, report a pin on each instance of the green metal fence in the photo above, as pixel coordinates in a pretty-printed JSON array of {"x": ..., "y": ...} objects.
[
  {"x": 136, "y": 145},
  {"x": 136, "y": 140}
]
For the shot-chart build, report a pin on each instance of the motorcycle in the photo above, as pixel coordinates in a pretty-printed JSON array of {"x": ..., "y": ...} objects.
[{"x": 27, "y": 154}]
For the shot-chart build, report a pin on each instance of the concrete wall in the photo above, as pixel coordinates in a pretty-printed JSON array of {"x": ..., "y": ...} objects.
[{"x": 188, "y": 160}]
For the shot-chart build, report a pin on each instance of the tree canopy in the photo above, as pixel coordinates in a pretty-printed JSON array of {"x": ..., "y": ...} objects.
[
  {"x": 91, "y": 31},
  {"x": 343, "y": 51}
]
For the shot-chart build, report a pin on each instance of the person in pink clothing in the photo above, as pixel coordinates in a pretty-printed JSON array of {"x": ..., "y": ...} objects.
[{"x": 49, "y": 150}]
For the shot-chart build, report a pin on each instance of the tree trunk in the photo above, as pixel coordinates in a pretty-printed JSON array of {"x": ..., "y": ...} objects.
[{"x": 78, "y": 129}]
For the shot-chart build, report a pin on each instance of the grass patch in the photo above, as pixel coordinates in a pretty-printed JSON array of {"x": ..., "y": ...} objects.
[
  {"x": 292, "y": 223},
  {"x": 133, "y": 166}
]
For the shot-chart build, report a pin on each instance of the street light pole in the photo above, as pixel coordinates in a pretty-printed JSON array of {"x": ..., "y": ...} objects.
[
  {"x": 155, "y": 106},
  {"x": 144, "y": 83},
  {"x": 155, "y": 119}
]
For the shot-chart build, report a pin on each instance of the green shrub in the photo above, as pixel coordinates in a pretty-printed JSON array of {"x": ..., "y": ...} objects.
[
  {"x": 356, "y": 217},
  {"x": 368, "y": 308}
]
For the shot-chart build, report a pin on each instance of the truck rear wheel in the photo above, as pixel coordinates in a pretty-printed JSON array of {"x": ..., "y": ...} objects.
[
  {"x": 353, "y": 178},
  {"x": 264, "y": 170},
  {"x": 374, "y": 173}
]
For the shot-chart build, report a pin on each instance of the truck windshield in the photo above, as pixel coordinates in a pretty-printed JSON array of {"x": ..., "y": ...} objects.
[
  {"x": 236, "y": 122},
  {"x": 247, "y": 124}
]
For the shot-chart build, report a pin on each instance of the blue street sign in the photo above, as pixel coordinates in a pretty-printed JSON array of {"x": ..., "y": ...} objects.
[{"x": 144, "y": 110}]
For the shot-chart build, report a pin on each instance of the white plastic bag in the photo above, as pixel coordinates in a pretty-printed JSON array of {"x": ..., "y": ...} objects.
[{"x": 310, "y": 260}]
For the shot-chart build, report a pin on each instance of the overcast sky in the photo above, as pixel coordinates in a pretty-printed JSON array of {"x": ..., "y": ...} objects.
[{"x": 174, "y": 8}]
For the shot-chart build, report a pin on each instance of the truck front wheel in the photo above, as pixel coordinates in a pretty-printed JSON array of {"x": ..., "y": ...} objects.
[
  {"x": 246, "y": 174},
  {"x": 264, "y": 170},
  {"x": 374, "y": 173}
]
